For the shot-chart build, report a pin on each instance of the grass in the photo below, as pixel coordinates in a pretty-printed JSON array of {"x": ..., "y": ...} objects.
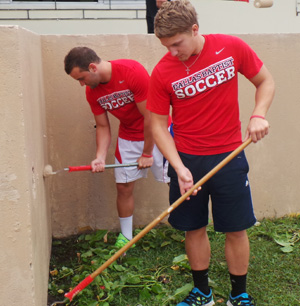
[{"x": 156, "y": 271}]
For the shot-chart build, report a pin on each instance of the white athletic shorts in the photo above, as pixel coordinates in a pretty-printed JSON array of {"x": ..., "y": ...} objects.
[{"x": 128, "y": 152}]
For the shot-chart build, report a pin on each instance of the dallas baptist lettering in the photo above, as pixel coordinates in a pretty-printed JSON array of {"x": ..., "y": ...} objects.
[
  {"x": 116, "y": 99},
  {"x": 205, "y": 79}
]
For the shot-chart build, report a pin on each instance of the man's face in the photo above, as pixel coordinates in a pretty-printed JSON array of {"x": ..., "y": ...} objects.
[
  {"x": 182, "y": 45},
  {"x": 89, "y": 78}
]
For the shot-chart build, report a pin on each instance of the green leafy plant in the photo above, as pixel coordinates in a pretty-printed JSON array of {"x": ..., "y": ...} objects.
[{"x": 157, "y": 272}]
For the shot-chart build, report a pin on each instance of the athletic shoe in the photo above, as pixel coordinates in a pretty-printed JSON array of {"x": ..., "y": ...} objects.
[
  {"x": 241, "y": 300},
  {"x": 121, "y": 241},
  {"x": 197, "y": 298}
]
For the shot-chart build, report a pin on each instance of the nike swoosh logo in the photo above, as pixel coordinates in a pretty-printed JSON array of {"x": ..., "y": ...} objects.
[
  {"x": 218, "y": 52},
  {"x": 121, "y": 81}
]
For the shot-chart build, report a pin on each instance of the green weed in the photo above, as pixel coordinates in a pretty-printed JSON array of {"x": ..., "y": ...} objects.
[{"x": 157, "y": 272}]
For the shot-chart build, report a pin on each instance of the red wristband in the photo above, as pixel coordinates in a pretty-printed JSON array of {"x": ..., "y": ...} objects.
[
  {"x": 146, "y": 155},
  {"x": 257, "y": 116}
]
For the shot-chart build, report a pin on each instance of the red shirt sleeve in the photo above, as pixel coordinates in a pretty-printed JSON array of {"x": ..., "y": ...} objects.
[
  {"x": 250, "y": 63},
  {"x": 158, "y": 100},
  {"x": 138, "y": 82}
]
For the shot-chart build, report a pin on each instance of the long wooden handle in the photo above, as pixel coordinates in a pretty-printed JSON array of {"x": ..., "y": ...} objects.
[{"x": 151, "y": 225}]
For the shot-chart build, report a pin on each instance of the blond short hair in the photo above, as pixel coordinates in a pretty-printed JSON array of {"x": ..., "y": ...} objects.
[{"x": 175, "y": 17}]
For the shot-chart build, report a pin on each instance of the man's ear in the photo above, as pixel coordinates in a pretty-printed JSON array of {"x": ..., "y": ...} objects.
[
  {"x": 92, "y": 67},
  {"x": 195, "y": 29}
]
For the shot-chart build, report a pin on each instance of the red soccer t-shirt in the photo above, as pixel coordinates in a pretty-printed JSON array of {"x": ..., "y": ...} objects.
[
  {"x": 128, "y": 86},
  {"x": 205, "y": 108}
]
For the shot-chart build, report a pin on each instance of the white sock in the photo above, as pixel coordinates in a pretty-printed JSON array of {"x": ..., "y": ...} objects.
[{"x": 126, "y": 227}]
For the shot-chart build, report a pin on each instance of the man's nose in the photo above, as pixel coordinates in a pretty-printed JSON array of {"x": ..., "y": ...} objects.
[{"x": 173, "y": 51}]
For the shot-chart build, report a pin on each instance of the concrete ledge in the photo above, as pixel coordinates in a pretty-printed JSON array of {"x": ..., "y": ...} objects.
[
  {"x": 80, "y": 26},
  {"x": 20, "y": 14},
  {"x": 27, "y": 6},
  {"x": 110, "y": 14},
  {"x": 72, "y": 14},
  {"x": 141, "y": 14},
  {"x": 56, "y": 14},
  {"x": 66, "y": 12},
  {"x": 132, "y": 5}
]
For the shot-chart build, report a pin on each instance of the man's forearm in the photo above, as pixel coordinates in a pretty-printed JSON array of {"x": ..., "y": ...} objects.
[
  {"x": 148, "y": 137},
  {"x": 103, "y": 141}
]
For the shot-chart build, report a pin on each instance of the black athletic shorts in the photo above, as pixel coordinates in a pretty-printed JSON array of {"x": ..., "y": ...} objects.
[{"x": 228, "y": 189}]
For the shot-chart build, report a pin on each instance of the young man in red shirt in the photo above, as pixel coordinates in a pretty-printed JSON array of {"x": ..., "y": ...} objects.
[
  {"x": 119, "y": 87},
  {"x": 198, "y": 77}
]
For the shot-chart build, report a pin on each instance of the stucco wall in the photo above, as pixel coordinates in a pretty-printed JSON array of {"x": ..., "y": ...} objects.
[
  {"x": 46, "y": 120},
  {"x": 81, "y": 199},
  {"x": 274, "y": 165},
  {"x": 95, "y": 18},
  {"x": 84, "y": 199},
  {"x": 25, "y": 218}
]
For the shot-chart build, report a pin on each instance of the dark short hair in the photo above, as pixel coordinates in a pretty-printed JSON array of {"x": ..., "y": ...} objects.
[{"x": 80, "y": 57}]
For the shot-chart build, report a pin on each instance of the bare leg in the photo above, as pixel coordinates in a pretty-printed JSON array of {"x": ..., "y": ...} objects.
[
  {"x": 237, "y": 252},
  {"x": 198, "y": 249},
  {"x": 125, "y": 201}
]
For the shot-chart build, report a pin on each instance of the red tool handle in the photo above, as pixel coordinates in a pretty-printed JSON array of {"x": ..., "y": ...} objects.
[
  {"x": 80, "y": 168},
  {"x": 79, "y": 287},
  {"x": 89, "y": 168}
]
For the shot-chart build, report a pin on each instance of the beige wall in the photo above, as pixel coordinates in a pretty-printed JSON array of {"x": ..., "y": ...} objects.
[
  {"x": 46, "y": 120},
  {"x": 95, "y": 18},
  {"x": 81, "y": 199},
  {"x": 25, "y": 218},
  {"x": 274, "y": 165},
  {"x": 84, "y": 199}
]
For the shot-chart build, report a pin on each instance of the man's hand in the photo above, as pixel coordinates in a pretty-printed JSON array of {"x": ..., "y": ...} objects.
[
  {"x": 257, "y": 129},
  {"x": 186, "y": 182},
  {"x": 159, "y": 3},
  {"x": 98, "y": 165},
  {"x": 145, "y": 162}
]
